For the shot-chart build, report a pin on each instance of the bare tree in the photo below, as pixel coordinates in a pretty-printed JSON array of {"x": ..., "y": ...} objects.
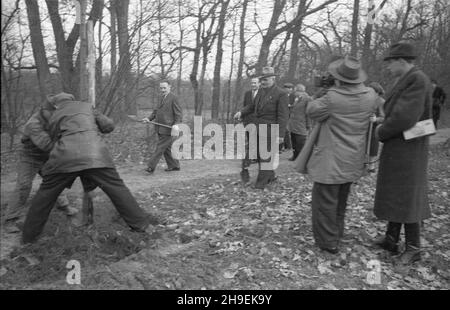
[
  {"x": 354, "y": 38},
  {"x": 37, "y": 42},
  {"x": 218, "y": 64},
  {"x": 237, "y": 98}
]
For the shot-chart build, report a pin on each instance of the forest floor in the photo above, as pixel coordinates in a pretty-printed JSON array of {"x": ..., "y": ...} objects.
[{"x": 222, "y": 234}]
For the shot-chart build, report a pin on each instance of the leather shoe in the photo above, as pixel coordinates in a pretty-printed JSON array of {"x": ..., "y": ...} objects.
[
  {"x": 172, "y": 169},
  {"x": 409, "y": 256},
  {"x": 245, "y": 177},
  {"x": 387, "y": 244},
  {"x": 330, "y": 250}
]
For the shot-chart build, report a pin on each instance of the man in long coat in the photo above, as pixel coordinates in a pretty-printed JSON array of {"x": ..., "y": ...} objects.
[
  {"x": 401, "y": 193},
  {"x": 270, "y": 107}
]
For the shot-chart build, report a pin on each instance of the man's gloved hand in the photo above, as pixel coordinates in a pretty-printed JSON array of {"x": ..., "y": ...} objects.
[
  {"x": 238, "y": 115},
  {"x": 373, "y": 118},
  {"x": 146, "y": 120}
]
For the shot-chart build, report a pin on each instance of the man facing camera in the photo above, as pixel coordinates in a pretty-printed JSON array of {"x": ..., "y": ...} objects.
[
  {"x": 168, "y": 113},
  {"x": 270, "y": 109}
]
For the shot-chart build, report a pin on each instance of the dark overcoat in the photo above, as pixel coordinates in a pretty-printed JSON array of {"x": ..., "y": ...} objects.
[
  {"x": 270, "y": 106},
  {"x": 401, "y": 193}
]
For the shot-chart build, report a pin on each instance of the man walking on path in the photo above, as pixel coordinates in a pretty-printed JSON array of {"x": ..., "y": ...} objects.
[{"x": 168, "y": 112}]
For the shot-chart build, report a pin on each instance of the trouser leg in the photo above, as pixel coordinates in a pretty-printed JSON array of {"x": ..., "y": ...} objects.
[
  {"x": 299, "y": 143},
  {"x": 412, "y": 235},
  {"x": 325, "y": 202},
  {"x": 43, "y": 202},
  {"x": 344, "y": 190},
  {"x": 265, "y": 174},
  {"x": 171, "y": 162},
  {"x": 110, "y": 182},
  {"x": 287, "y": 140},
  {"x": 27, "y": 169},
  {"x": 246, "y": 160},
  {"x": 393, "y": 231},
  {"x": 160, "y": 148}
]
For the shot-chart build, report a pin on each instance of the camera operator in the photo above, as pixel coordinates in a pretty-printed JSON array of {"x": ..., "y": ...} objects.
[{"x": 338, "y": 157}]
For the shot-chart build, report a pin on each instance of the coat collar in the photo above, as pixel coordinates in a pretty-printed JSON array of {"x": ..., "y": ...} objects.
[
  {"x": 350, "y": 89},
  {"x": 399, "y": 83}
]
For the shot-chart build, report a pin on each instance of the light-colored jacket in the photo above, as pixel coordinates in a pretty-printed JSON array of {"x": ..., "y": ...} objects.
[
  {"x": 298, "y": 121},
  {"x": 339, "y": 153}
]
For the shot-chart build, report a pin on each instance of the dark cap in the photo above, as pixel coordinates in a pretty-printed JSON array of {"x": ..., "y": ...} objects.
[{"x": 401, "y": 50}]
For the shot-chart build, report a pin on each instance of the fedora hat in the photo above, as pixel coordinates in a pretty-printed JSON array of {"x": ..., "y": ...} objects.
[
  {"x": 347, "y": 69},
  {"x": 267, "y": 72},
  {"x": 401, "y": 50}
]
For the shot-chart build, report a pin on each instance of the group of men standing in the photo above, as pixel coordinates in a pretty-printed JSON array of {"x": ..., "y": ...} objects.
[
  {"x": 335, "y": 152},
  {"x": 63, "y": 141}
]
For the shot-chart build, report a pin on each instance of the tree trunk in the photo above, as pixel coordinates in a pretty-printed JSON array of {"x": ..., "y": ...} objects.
[
  {"x": 293, "y": 60},
  {"x": 37, "y": 43},
  {"x": 237, "y": 98},
  {"x": 270, "y": 35},
  {"x": 217, "y": 68},
  {"x": 128, "y": 106},
  {"x": 180, "y": 67},
  {"x": 354, "y": 39},
  {"x": 113, "y": 34}
]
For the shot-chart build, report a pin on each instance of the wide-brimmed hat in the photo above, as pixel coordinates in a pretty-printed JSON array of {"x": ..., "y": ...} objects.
[
  {"x": 267, "y": 72},
  {"x": 401, "y": 50},
  {"x": 288, "y": 85},
  {"x": 347, "y": 69}
]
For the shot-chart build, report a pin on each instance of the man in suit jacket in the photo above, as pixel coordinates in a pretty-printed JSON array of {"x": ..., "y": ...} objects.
[
  {"x": 287, "y": 143},
  {"x": 168, "y": 112},
  {"x": 401, "y": 192},
  {"x": 270, "y": 107},
  {"x": 249, "y": 98},
  {"x": 438, "y": 101}
]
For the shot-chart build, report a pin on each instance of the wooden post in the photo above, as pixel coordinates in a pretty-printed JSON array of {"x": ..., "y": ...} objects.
[
  {"x": 84, "y": 78},
  {"x": 87, "y": 89},
  {"x": 91, "y": 62}
]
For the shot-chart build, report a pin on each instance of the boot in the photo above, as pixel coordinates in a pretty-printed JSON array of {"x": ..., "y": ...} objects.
[
  {"x": 245, "y": 177},
  {"x": 412, "y": 239},
  {"x": 387, "y": 243},
  {"x": 409, "y": 256},
  {"x": 390, "y": 241}
]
